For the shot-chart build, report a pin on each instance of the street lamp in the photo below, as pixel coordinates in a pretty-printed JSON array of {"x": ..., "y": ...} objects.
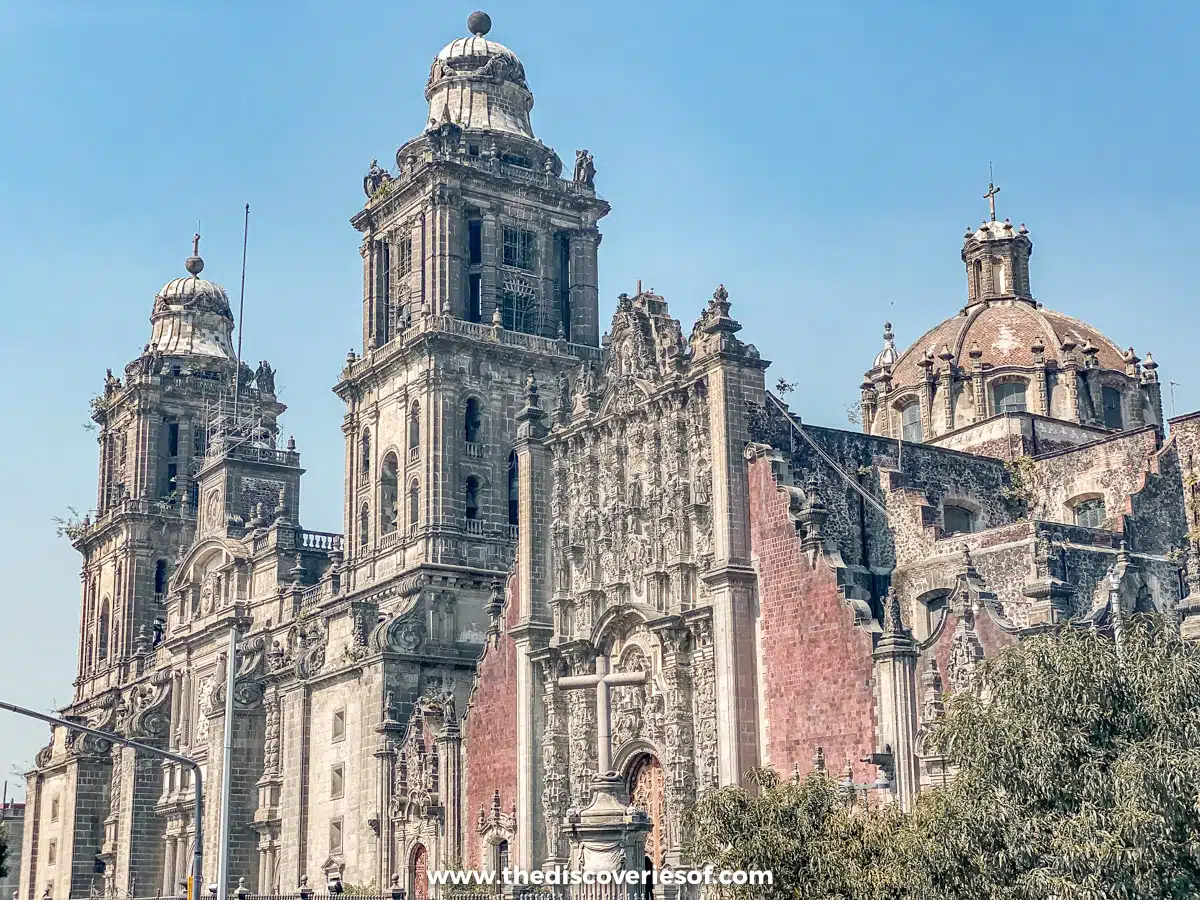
[{"x": 197, "y": 878}]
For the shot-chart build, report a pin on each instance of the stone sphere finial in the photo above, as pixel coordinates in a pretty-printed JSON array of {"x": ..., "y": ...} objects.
[{"x": 479, "y": 23}]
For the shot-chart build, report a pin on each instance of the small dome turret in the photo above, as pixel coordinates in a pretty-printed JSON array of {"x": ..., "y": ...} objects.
[
  {"x": 191, "y": 315},
  {"x": 479, "y": 85}
]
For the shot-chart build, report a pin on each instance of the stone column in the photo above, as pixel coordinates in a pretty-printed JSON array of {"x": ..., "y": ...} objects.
[
  {"x": 585, "y": 296},
  {"x": 679, "y": 764},
  {"x": 1041, "y": 400},
  {"x": 982, "y": 403},
  {"x": 449, "y": 747},
  {"x": 489, "y": 278},
  {"x": 946, "y": 377},
  {"x": 895, "y": 667},
  {"x": 926, "y": 364},
  {"x": 555, "y": 788}
]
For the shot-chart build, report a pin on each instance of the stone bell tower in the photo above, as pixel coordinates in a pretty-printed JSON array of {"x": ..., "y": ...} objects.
[{"x": 479, "y": 279}]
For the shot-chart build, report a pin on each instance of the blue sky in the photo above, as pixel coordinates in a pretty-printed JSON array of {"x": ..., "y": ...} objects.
[{"x": 819, "y": 159}]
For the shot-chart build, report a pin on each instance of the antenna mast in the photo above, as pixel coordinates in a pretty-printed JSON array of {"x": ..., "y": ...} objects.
[{"x": 237, "y": 375}]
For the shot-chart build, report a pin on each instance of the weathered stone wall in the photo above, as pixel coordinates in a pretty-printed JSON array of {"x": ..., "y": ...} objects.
[
  {"x": 817, "y": 671},
  {"x": 490, "y": 732}
]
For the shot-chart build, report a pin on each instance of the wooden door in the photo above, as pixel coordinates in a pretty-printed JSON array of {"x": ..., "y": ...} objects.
[{"x": 647, "y": 792}]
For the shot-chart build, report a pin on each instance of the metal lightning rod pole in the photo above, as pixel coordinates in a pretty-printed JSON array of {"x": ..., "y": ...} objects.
[
  {"x": 227, "y": 768},
  {"x": 197, "y": 880},
  {"x": 237, "y": 375}
]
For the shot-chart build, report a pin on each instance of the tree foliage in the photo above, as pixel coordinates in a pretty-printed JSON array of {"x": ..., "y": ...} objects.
[
  {"x": 1077, "y": 763},
  {"x": 3, "y": 850}
]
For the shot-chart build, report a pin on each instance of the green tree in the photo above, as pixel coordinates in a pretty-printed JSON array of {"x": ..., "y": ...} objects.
[
  {"x": 3, "y": 850},
  {"x": 803, "y": 831},
  {"x": 1078, "y": 763}
]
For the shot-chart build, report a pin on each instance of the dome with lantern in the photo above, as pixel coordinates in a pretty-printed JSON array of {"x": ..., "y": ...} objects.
[
  {"x": 478, "y": 84},
  {"x": 1005, "y": 354},
  {"x": 191, "y": 315}
]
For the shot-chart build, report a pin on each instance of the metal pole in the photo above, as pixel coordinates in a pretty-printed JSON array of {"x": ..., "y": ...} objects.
[
  {"x": 227, "y": 767},
  {"x": 197, "y": 879},
  {"x": 237, "y": 375}
]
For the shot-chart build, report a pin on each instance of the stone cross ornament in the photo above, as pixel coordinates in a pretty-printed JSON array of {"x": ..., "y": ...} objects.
[{"x": 603, "y": 681}]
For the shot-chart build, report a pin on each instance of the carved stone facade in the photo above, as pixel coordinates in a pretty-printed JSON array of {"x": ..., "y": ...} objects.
[{"x": 583, "y": 579}]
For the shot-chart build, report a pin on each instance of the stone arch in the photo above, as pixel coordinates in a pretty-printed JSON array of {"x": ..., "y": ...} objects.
[
  {"x": 389, "y": 493},
  {"x": 102, "y": 634},
  {"x": 414, "y": 426},
  {"x": 928, "y": 614},
  {"x": 473, "y": 408}
]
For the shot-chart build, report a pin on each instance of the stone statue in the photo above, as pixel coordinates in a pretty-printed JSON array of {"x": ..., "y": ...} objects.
[
  {"x": 585, "y": 169},
  {"x": 264, "y": 377},
  {"x": 111, "y": 382},
  {"x": 375, "y": 179}
]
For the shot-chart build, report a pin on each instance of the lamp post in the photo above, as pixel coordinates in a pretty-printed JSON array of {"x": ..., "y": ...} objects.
[
  {"x": 197, "y": 879},
  {"x": 881, "y": 783}
]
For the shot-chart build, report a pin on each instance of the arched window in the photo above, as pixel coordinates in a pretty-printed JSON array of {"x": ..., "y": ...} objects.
[
  {"x": 472, "y": 498},
  {"x": 472, "y": 421},
  {"x": 102, "y": 635},
  {"x": 514, "y": 505},
  {"x": 414, "y": 504},
  {"x": 977, "y": 279},
  {"x": 1090, "y": 513},
  {"x": 998, "y": 280},
  {"x": 160, "y": 576},
  {"x": 1009, "y": 397},
  {"x": 389, "y": 493},
  {"x": 955, "y": 520},
  {"x": 414, "y": 427},
  {"x": 1112, "y": 408},
  {"x": 364, "y": 525},
  {"x": 365, "y": 453},
  {"x": 910, "y": 422}
]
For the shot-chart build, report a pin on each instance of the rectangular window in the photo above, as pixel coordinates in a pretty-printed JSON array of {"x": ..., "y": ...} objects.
[
  {"x": 910, "y": 423},
  {"x": 404, "y": 251},
  {"x": 518, "y": 248},
  {"x": 337, "y": 782},
  {"x": 339, "y": 725},
  {"x": 52, "y": 853},
  {"x": 564, "y": 284},
  {"x": 335, "y": 836},
  {"x": 474, "y": 243},
  {"x": 172, "y": 439},
  {"x": 172, "y": 479},
  {"x": 199, "y": 440},
  {"x": 54, "y": 810},
  {"x": 955, "y": 520},
  {"x": 1090, "y": 513},
  {"x": 1010, "y": 397},
  {"x": 1112, "y": 407}
]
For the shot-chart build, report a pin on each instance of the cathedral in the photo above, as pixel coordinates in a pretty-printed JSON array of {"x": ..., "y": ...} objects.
[{"x": 588, "y": 571}]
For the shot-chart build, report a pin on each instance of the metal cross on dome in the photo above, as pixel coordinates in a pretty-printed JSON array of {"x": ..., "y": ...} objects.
[
  {"x": 602, "y": 681},
  {"x": 992, "y": 191}
]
